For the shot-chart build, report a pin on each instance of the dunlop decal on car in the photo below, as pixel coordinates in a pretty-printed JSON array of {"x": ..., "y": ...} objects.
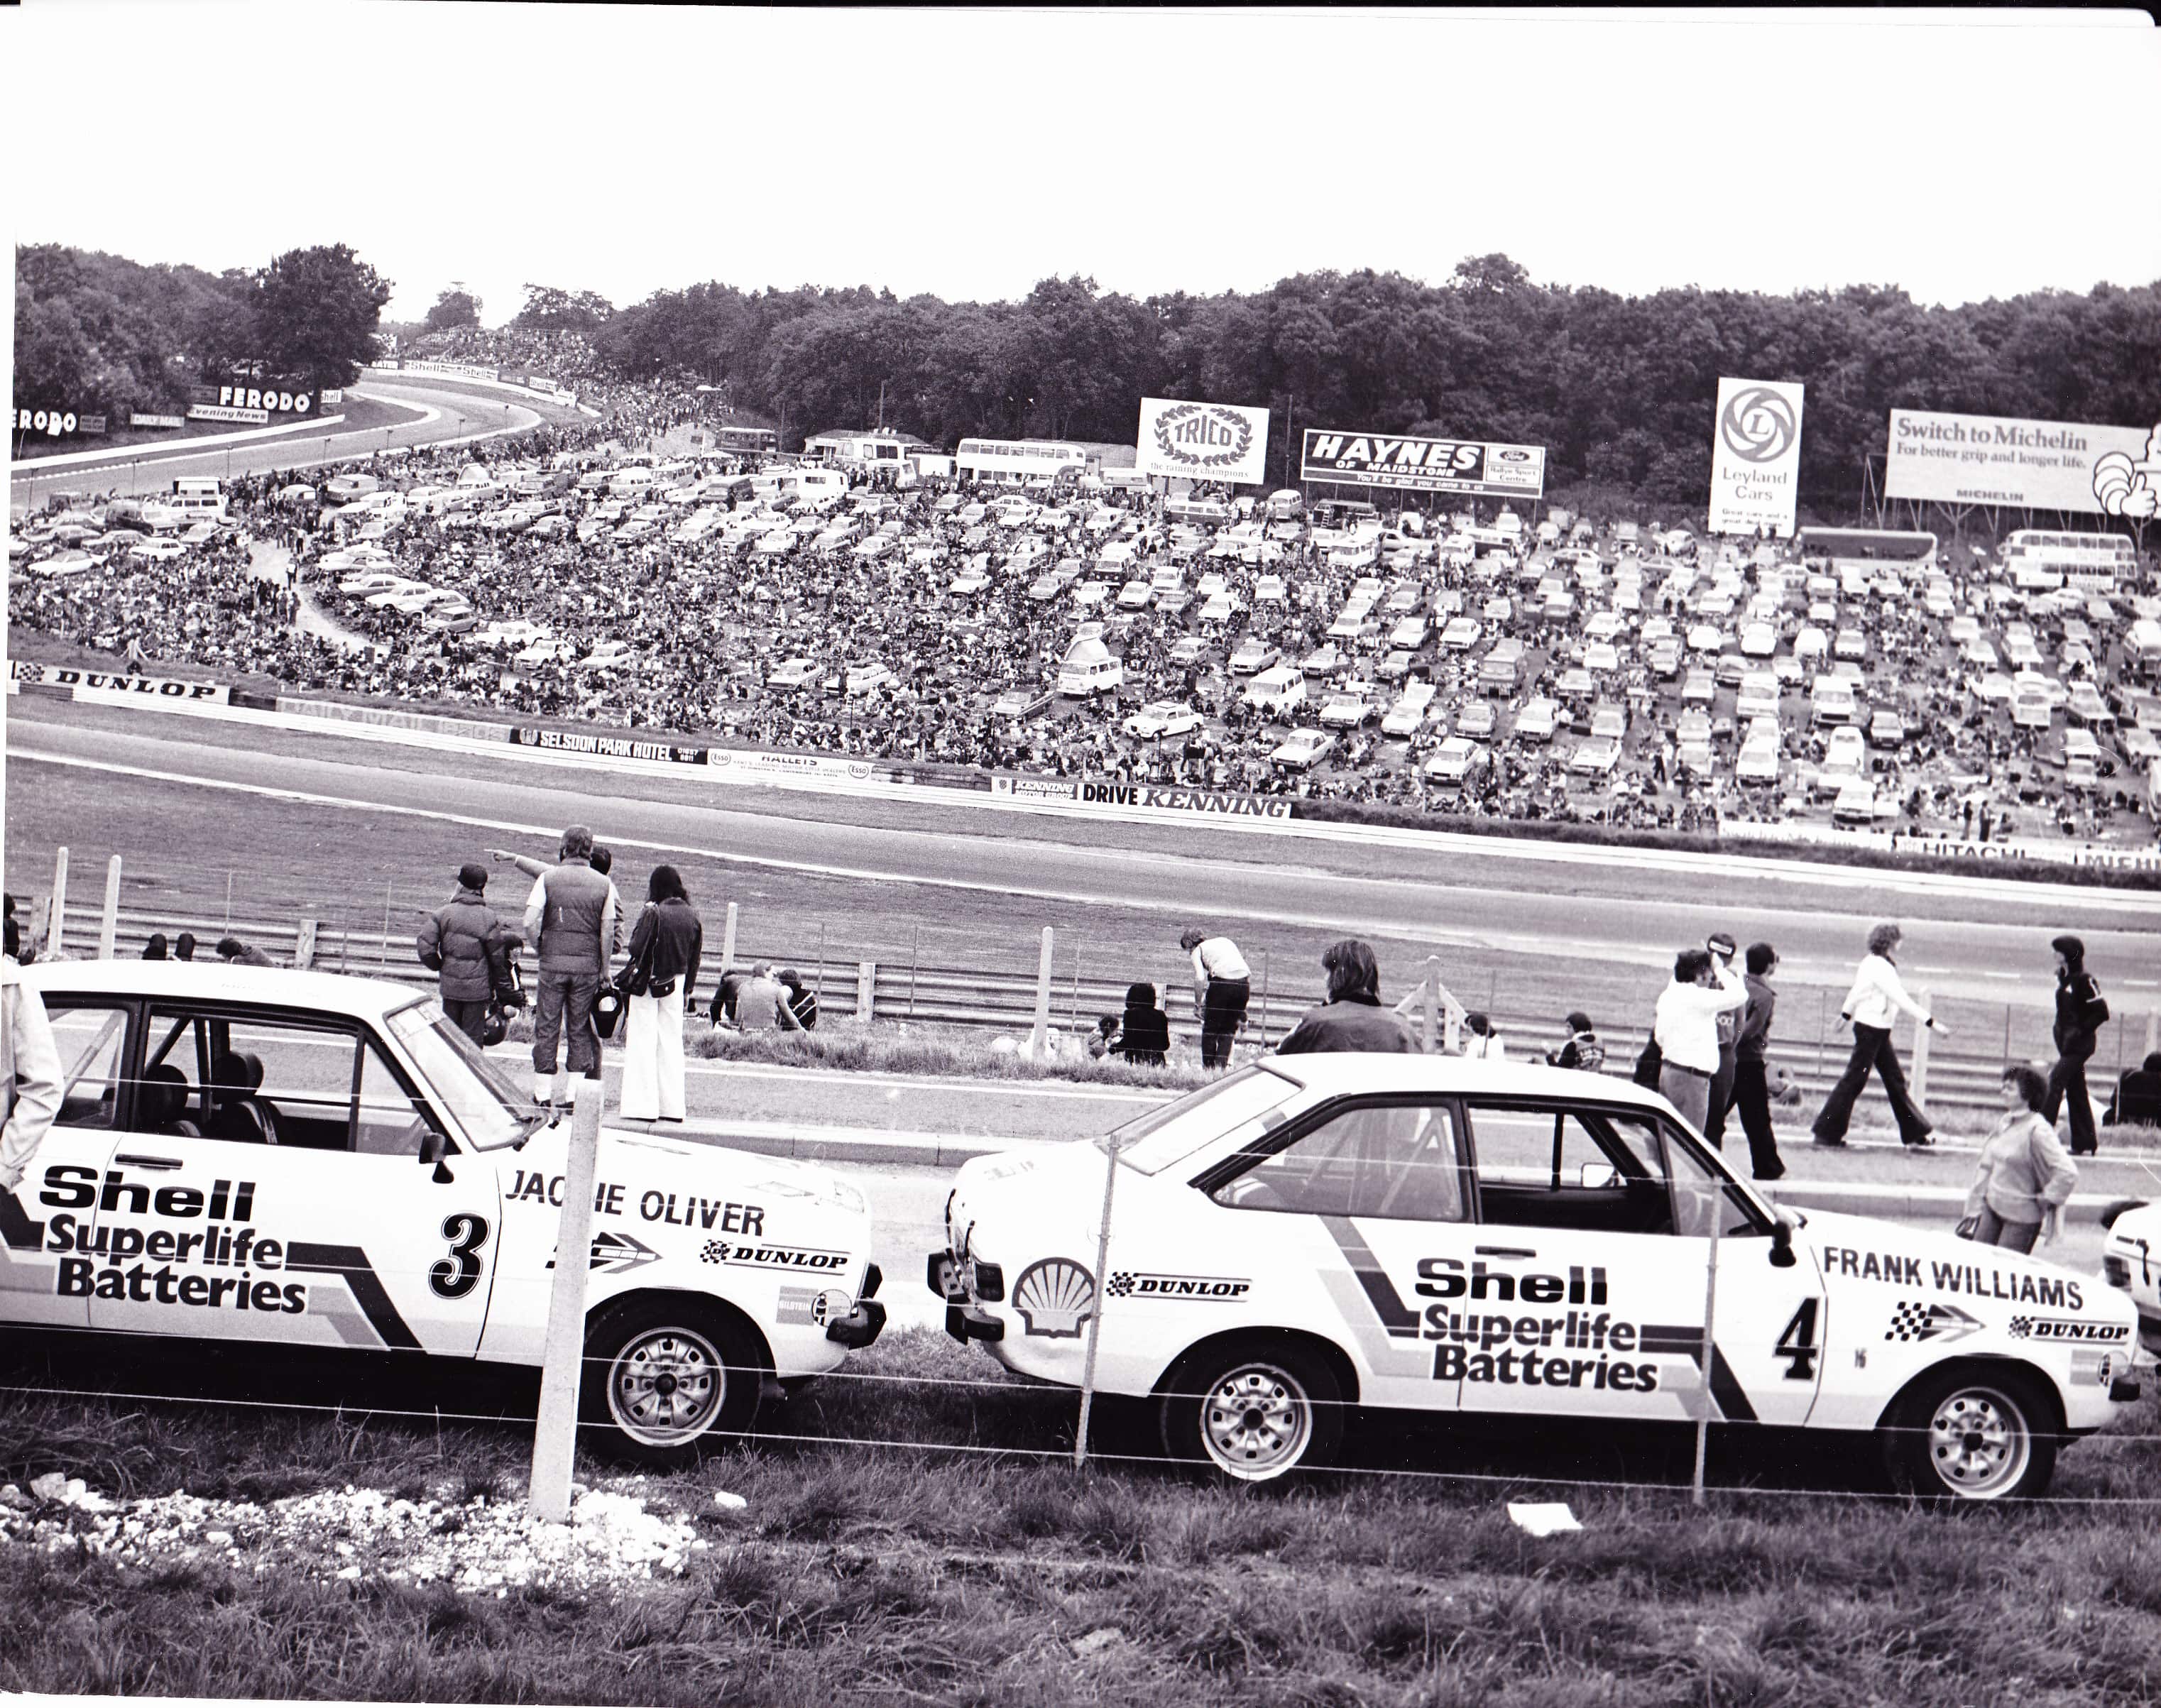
[
  {"x": 367, "y": 1292},
  {"x": 2057, "y": 1328}
]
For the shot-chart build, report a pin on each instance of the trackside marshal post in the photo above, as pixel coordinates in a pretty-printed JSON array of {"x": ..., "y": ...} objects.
[{"x": 555, "y": 1436}]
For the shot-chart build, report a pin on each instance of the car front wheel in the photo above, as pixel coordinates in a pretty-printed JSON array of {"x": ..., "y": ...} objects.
[
  {"x": 663, "y": 1379},
  {"x": 1251, "y": 1410},
  {"x": 1971, "y": 1433}
]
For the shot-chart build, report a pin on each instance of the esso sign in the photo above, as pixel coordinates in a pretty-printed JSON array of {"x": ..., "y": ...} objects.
[
  {"x": 50, "y": 422},
  {"x": 277, "y": 403}
]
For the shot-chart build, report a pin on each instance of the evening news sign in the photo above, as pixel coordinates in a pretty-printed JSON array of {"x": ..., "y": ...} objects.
[
  {"x": 1991, "y": 459},
  {"x": 1467, "y": 466}
]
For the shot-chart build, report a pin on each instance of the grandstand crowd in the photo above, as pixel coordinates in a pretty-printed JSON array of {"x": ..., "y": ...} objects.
[{"x": 577, "y": 573}]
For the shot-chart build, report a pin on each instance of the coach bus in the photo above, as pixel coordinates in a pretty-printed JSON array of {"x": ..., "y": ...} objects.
[
  {"x": 2095, "y": 563},
  {"x": 746, "y": 441}
]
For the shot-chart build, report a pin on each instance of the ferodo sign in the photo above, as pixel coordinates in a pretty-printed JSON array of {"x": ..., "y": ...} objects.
[
  {"x": 52, "y": 423},
  {"x": 1467, "y": 465},
  {"x": 1202, "y": 441},
  {"x": 269, "y": 400}
]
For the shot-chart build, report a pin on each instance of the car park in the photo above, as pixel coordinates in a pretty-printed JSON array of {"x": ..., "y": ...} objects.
[
  {"x": 1160, "y": 718},
  {"x": 1310, "y": 1240},
  {"x": 272, "y": 1162},
  {"x": 1476, "y": 719},
  {"x": 1022, "y": 700},
  {"x": 1347, "y": 710},
  {"x": 1303, "y": 749}
]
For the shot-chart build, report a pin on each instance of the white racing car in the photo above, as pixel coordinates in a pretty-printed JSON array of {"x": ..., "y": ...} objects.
[
  {"x": 295, "y": 1158},
  {"x": 1315, "y": 1232}
]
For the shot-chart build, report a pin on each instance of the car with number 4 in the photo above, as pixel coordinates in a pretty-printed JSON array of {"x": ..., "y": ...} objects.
[
  {"x": 271, "y": 1160},
  {"x": 1311, "y": 1235}
]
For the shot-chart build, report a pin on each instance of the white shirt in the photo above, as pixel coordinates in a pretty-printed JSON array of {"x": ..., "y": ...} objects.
[
  {"x": 1685, "y": 1021},
  {"x": 1877, "y": 997},
  {"x": 1218, "y": 957},
  {"x": 29, "y": 1075}
]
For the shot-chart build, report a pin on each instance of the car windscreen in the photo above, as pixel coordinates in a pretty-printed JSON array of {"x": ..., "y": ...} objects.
[
  {"x": 1151, "y": 1142},
  {"x": 476, "y": 1093}
]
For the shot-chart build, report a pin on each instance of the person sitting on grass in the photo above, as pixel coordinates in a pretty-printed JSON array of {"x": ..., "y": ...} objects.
[
  {"x": 1144, "y": 1028},
  {"x": 761, "y": 1003},
  {"x": 1105, "y": 1038},
  {"x": 802, "y": 1000}
]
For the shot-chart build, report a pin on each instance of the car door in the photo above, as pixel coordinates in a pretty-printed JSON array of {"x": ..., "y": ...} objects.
[
  {"x": 1368, "y": 1197},
  {"x": 1599, "y": 1217},
  {"x": 286, "y": 1200},
  {"x": 49, "y": 1225}
]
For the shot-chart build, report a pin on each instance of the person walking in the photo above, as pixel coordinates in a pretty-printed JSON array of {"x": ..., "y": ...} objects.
[
  {"x": 1222, "y": 986},
  {"x": 464, "y": 943},
  {"x": 1876, "y": 1000},
  {"x": 665, "y": 947},
  {"x": 1685, "y": 1026},
  {"x": 1353, "y": 1017},
  {"x": 570, "y": 920},
  {"x": 1752, "y": 1085},
  {"x": 2024, "y": 1177},
  {"x": 2080, "y": 1013},
  {"x": 1721, "y": 948}
]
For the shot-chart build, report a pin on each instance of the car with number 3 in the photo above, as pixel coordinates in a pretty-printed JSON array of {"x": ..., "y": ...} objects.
[
  {"x": 286, "y": 1160},
  {"x": 1313, "y": 1235}
]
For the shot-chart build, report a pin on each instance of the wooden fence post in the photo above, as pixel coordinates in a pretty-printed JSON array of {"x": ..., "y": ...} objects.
[
  {"x": 108, "y": 929},
  {"x": 1040, "y": 1036},
  {"x": 866, "y": 990},
  {"x": 56, "y": 918},
  {"x": 1919, "y": 1076},
  {"x": 728, "y": 940},
  {"x": 555, "y": 1435},
  {"x": 304, "y": 946}
]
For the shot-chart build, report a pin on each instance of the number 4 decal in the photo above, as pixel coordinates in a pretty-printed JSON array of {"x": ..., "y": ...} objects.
[{"x": 1797, "y": 1344}]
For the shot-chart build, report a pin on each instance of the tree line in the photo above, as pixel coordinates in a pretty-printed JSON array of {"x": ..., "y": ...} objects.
[
  {"x": 99, "y": 334},
  {"x": 1619, "y": 389}
]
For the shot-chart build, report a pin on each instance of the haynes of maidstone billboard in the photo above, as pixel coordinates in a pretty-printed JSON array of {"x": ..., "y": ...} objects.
[
  {"x": 2028, "y": 465},
  {"x": 1469, "y": 466}
]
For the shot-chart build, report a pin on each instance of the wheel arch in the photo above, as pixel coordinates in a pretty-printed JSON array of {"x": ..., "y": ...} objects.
[
  {"x": 613, "y": 1309},
  {"x": 1337, "y": 1361},
  {"x": 1982, "y": 1366}
]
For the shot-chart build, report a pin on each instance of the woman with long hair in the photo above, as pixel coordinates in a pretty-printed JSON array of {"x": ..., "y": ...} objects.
[
  {"x": 1876, "y": 1000},
  {"x": 665, "y": 947},
  {"x": 1353, "y": 1017}
]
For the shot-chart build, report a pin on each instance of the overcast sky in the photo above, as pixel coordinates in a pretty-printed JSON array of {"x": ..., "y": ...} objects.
[{"x": 1961, "y": 155}]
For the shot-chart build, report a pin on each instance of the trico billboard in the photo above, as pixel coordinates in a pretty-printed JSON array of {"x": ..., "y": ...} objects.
[
  {"x": 2028, "y": 465},
  {"x": 1467, "y": 465},
  {"x": 1202, "y": 441}
]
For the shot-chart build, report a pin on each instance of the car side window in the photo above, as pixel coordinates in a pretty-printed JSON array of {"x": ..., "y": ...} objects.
[
  {"x": 1395, "y": 1160},
  {"x": 1698, "y": 1193},
  {"x": 390, "y": 1122},
  {"x": 90, "y": 1039},
  {"x": 262, "y": 1080},
  {"x": 1570, "y": 1166}
]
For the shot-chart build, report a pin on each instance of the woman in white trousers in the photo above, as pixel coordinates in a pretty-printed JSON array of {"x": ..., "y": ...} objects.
[{"x": 665, "y": 946}]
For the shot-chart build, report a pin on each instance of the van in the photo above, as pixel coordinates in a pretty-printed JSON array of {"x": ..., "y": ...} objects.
[
  {"x": 1125, "y": 480},
  {"x": 1278, "y": 690},
  {"x": 1499, "y": 673},
  {"x": 1286, "y": 506}
]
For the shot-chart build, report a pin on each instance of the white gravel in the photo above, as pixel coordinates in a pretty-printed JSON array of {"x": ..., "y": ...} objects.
[{"x": 479, "y": 1546}]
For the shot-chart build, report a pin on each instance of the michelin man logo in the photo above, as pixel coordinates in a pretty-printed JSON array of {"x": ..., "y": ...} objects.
[{"x": 2129, "y": 488}]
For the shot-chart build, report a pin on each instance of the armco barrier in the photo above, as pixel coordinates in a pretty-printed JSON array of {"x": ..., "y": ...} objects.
[{"x": 989, "y": 1000}]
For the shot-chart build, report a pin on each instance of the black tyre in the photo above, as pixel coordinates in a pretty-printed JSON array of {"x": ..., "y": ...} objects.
[
  {"x": 1253, "y": 1410},
  {"x": 1972, "y": 1433},
  {"x": 666, "y": 1376}
]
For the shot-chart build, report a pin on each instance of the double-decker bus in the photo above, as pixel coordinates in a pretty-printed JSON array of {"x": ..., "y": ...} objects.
[{"x": 2092, "y": 562}]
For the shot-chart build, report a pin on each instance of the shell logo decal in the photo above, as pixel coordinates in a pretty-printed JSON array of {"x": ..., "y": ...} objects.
[{"x": 1054, "y": 1296}]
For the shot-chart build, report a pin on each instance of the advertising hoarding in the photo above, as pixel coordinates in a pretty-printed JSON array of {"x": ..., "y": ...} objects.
[
  {"x": 1756, "y": 457},
  {"x": 220, "y": 412},
  {"x": 1469, "y": 466},
  {"x": 2029, "y": 465},
  {"x": 137, "y": 419},
  {"x": 1202, "y": 441}
]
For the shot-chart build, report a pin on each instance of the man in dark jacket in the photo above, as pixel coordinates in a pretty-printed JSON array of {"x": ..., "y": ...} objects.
[
  {"x": 1752, "y": 1088},
  {"x": 2080, "y": 1014},
  {"x": 1353, "y": 1017},
  {"x": 467, "y": 944}
]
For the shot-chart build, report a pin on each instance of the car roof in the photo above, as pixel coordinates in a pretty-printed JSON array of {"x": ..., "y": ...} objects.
[
  {"x": 214, "y": 981},
  {"x": 1345, "y": 1072}
]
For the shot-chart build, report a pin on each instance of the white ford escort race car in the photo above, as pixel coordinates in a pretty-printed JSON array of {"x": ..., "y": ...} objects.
[
  {"x": 296, "y": 1159},
  {"x": 2131, "y": 1260},
  {"x": 1445, "y": 1235}
]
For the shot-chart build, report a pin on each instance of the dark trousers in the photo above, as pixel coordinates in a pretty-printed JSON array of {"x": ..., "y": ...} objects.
[
  {"x": 469, "y": 1017},
  {"x": 2068, "y": 1076},
  {"x": 1752, "y": 1096},
  {"x": 1220, "y": 1011},
  {"x": 564, "y": 1004},
  {"x": 1872, "y": 1049},
  {"x": 1721, "y": 1099}
]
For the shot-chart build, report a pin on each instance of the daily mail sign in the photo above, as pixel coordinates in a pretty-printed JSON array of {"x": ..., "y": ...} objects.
[
  {"x": 1992, "y": 459},
  {"x": 1466, "y": 465},
  {"x": 1202, "y": 441}
]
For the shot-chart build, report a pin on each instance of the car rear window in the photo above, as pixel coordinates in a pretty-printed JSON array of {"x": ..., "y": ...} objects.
[{"x": 1151, "y": 1142}]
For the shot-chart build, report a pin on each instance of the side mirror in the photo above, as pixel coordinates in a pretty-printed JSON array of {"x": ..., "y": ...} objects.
[
  {"x": 433, "y": 1146},
  {"x": 1597, "y": 1177},
  {"x": 1782, "y": 1244}
]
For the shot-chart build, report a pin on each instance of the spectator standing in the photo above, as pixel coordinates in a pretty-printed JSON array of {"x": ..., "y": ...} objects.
[
  {"x": 2025, "y": 1177},
  {"x": 30, "y": 1088},
  {"x": 1222, "y": 986},
  {"x": 570, "y": 920},
  {"x": 665, "y": 947},
  {"x": 1353, "y": 1017},
  {"x": 1720, "y": 947},
  {"x": 1876, "y": 1000},
  {"x": 1142, "y": 1032},
  {"x": 467, "y": 944},
  {"x": 2080, "y": 1013},
  {"x": 1582, "y": 1048},
  {"x": 1685, "y": 1026},
  {"x": 1751, "y": 1086},
  {"x": 762, "y": 1002}
]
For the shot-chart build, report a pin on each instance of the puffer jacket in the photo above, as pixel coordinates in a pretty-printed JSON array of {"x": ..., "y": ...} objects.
[{"x": 465, "y": 942}]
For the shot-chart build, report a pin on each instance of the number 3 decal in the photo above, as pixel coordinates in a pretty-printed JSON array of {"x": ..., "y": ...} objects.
[
  {"x": 1797, "y": 1344},
  {"x": 456, "y": 1275}
]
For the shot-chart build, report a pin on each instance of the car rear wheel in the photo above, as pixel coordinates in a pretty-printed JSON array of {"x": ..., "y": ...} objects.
[
  {"x": 663, "y": 1379},
  {"x": 1251, "y": 1410},
  {"x": 1968, "y": 1434}
]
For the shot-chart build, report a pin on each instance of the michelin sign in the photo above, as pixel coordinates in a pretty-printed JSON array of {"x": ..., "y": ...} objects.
[{"x": 1756, "y": 457}]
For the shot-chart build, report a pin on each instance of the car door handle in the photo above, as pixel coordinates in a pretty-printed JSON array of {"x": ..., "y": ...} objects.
[
  {"x": 147, "y": 1162},
  {"x": 1502, "y": 1252}
]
